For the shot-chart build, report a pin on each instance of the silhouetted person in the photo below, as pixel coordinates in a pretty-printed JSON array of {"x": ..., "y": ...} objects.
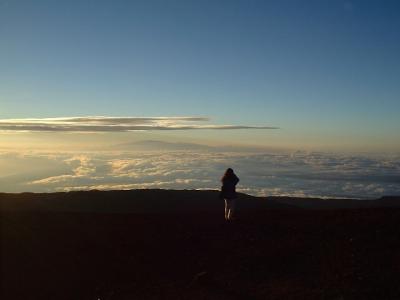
[{"x": 228, "y": 193}]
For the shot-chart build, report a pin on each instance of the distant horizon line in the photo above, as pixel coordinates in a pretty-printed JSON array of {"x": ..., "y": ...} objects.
[{"x": 201, "y": 190}]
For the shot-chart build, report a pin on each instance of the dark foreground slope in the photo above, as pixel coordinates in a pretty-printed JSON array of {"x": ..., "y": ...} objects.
[{"x": 167, "y": 245}]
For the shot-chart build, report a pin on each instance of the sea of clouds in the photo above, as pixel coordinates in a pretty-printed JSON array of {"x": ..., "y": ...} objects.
[{"x": 261, "y": 174}]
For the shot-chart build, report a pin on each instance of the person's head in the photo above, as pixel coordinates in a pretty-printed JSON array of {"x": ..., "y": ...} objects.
[{"x": 228, "y": 174}]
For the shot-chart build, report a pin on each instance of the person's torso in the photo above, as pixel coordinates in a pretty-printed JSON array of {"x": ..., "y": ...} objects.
[{"x": 229, "y": 187}]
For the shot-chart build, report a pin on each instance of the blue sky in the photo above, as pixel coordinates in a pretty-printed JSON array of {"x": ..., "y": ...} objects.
[{"x": 325, "y": 72}]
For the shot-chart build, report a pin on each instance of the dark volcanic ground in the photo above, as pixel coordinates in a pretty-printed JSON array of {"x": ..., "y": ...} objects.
[{"x": 272, "y": 251}]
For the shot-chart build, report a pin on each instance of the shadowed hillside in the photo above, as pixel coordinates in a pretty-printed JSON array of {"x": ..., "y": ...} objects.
[
  {"x": 162, "y": 201},
  {"x": 133, "y": 201},
  {"x": 157, "y": 244}
]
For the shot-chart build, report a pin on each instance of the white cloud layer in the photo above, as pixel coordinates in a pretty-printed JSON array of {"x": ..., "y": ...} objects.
[
  {"x": 262, "y": 174},
  {"x": 114, "y": 124}
]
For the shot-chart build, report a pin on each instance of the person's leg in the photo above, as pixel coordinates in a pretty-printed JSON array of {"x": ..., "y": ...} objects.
[
  {"x": 232, "y": 204},
  {"x": 226, "y": 209}
]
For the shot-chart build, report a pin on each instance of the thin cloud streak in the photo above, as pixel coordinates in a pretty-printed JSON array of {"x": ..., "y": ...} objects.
[{"x": 115, "y": 124}]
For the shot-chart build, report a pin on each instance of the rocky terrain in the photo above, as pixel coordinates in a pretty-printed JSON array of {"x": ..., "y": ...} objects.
[{"x": 158, "y": 244}]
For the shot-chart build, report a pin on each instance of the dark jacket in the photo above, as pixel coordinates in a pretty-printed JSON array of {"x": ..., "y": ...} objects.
[{"x": 228, "y": 189}]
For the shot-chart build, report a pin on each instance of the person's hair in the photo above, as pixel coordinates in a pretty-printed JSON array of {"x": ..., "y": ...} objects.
[{"x": 228, "y": 174}]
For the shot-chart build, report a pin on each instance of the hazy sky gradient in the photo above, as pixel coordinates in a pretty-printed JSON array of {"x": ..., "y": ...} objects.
[{"x": 325, "y": 72}]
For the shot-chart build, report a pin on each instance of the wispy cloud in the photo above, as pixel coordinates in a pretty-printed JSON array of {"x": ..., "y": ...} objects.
[
  {"x": 115, "y": 124},
  {"x": 81, "y": 165}
]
